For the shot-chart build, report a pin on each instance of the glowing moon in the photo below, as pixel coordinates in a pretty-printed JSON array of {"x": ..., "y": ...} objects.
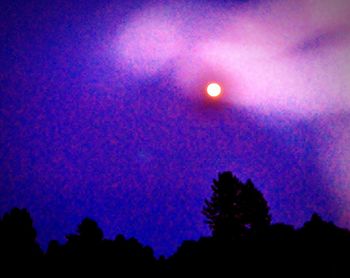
[{"x": 214, "y": 89}]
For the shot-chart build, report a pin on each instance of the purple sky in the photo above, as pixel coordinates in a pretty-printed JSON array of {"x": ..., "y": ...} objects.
[{"x": 103, "y": 112}]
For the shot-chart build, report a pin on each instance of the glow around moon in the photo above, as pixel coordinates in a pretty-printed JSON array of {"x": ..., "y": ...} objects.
[{"x": 214, "y": 89}]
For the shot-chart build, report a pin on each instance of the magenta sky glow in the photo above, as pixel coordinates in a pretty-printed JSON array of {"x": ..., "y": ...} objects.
[
  {"x": 275, "y": 57},
  {"x": 278, "y": 56}
]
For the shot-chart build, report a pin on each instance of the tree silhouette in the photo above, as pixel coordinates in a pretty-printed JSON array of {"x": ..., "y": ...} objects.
[
  {"x": 17, "y": 235},
  {"x": 87, "y": 243},
  {"x": 235, "y": 210},
  {"x": 318, "y": 229},
  {"x": 89, "y": 231},
  {"x": 244, "y": 243}
]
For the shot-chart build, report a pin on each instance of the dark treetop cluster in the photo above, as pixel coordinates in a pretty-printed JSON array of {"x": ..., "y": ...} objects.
[{"x": 243, "y": 242}]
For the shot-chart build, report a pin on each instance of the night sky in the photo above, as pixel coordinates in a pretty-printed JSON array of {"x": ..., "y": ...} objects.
[{"x": 104, "y": 113}]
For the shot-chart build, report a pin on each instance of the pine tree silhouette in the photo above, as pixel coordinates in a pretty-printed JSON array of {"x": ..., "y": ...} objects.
[{"x": 235, "y": 210}]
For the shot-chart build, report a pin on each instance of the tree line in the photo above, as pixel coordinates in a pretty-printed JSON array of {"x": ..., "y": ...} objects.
[{"x": 243, "y": 242}]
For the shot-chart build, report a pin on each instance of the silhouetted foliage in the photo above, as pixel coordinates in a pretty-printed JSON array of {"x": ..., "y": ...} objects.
[
  {"x": 88, "y": 245},
  {"x": 244, "y": 243},
  {"x": 18, "y": 236},
  {"x": 235, "y": 210},
  {"x": 319, "y": 230},
  {"x": 280, "y": 232},
  {"x": 89, "y": 231}
]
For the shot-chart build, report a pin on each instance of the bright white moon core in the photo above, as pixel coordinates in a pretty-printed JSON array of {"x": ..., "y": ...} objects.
[{"x": 214, "y": 89}]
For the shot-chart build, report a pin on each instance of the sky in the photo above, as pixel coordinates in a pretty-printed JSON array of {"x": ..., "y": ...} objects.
[{"x": 104, "y": 114}]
